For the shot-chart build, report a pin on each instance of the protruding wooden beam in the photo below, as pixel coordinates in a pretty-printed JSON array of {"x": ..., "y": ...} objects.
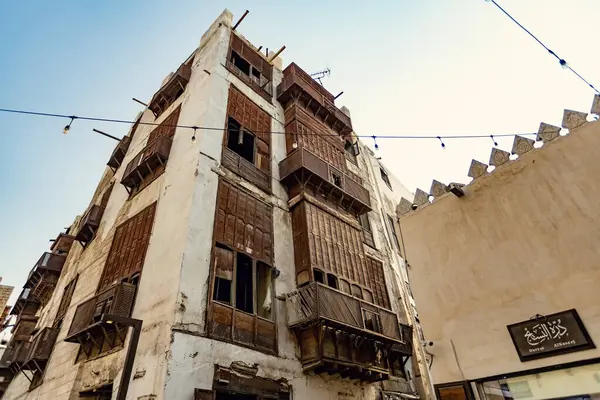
[
  {"x": 278, "y": 52},
  {"x": 240, "y": 20}
]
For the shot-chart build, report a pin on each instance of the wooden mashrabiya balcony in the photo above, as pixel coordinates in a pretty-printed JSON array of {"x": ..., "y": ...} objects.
[
  {"x": 89, "y": 224},
  {"x": 26, "y": 304},
  {"x": 118, "y": 154},
  {"x": 153, "y": 156},
  {"x": 44, "y": 275},
  {"x": 298, "y": 84},
  {"x": 303, "y": 166},
  {"x": 40, "y": 349},
  {"x": 88, "y": 318},
  {"x": 342, "y": 334}
]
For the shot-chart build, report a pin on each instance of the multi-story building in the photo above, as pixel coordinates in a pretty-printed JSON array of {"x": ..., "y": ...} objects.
[
  {"x": 5, "y": 292},
  {"x": 506, "y": 275},
  {"x": 262, "y": 259}
]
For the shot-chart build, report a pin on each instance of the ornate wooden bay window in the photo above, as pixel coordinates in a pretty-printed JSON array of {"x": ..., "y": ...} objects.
[
  {"x": 151, "y": 161},
  {"x": 250, "y": 66},
  {"x": 242, "y": 292},
  {"x": 116, "y": 289}
]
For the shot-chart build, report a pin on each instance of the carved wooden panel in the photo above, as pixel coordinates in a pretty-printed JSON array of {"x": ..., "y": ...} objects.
[
  {"x": 249, "y": 114},
  {"x": 167, "y": 127},
  {"x": 129, "y": 247},
  {"x": 244, "y": 223},
  {"x": 376, "y": 282}
]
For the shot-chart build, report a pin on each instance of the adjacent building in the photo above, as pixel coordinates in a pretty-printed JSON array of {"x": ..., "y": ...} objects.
[
  {"x": 5, "y": 293},
  {"x": 506, "y": 275},
  {"x": 263, "y": 260}
]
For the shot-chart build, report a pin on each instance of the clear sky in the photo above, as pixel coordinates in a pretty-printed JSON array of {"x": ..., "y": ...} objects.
[{"x": 420, "y": 67}]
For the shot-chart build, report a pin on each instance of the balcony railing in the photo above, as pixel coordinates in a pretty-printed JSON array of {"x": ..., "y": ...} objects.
[
  {"x": 147, "y": 161},
  {"x": 87, "y": 320},
  {"x": 295, "y": 81},
  {"x": 171, "y": 90},
  {"x": 339, "y": 333},
  {"x": 261, "y": 85},
  {"x": 117, "y": 156},
  {"x": 44, "y": 275},
  {"x": 245, "y": 169},
  {"x": 62, "y": 244},
  {"x": 89, "y": 224},
  {"x": 24, "y": 327},
  {"x": 303, "y": 164},
  {"x": 26, "y": 304},
  {"x": 16, "y": 354},
  {"x": 40, "y": 350}
]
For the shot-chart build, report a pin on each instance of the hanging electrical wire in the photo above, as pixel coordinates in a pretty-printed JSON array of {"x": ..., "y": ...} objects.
[
  {"x": 563, "y": 63},
  {"x": 195, "y": 128}
]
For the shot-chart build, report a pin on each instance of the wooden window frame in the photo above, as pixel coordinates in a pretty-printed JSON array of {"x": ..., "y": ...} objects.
[
  {"x": 385, "y": 177},
  {"x": 351, "y": 151},
  {"x": 65, "y": 301},
  {"x": 233, "y": 288},
  {"x": 367, "y": 230},
  {"x": 256, "y": 137},
  {"x": 392, "y": 226}
]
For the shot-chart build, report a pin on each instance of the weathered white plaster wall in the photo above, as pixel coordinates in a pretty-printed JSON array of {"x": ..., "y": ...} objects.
[{"x": 522, "y": 241}]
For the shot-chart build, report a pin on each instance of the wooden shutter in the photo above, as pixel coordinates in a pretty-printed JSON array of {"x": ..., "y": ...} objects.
[
  {"x": 167, "y": 127},
  {"x": 128, "y": 250},
  {"x": 65, "y": 300},
  {"x": 135, "y": 127},
  {"x": 107, "y": 193},
  {"x": 224, "y": 263},
  {"x": 377, "y": 283},
  {"x": 249, "y": 115},
  {"x": 244, "y": 223}
]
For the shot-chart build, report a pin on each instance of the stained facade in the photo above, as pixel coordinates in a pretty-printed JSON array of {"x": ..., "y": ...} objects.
[{"x": 261, "y": 265}]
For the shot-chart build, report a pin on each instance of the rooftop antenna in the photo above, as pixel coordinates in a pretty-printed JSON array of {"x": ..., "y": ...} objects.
[{"x": 317, "y": 76}]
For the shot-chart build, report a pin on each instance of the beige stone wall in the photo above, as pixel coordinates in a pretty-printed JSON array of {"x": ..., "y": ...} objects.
[{"x": 522, "y": 241}]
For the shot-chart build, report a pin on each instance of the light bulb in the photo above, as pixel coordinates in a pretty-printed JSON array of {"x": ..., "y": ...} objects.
[
  {"x": 295, "y": 145},
  {"x": 563, "y": 64},
  {"x": 66, "y": 129},
  {"x": 194, "y": 138}
]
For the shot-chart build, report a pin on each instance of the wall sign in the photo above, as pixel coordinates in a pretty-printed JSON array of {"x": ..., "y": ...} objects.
[{"x": 550, "y": 335}]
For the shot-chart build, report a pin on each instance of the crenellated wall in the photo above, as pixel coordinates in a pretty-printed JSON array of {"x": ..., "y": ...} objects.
[{"x": 521, "y": 241}]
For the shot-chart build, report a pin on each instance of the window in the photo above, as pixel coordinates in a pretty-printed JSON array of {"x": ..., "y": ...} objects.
[
  {"x": 332, "y": 281},
  {"x": 319, "y": 276},
  {"x": 337, "y": 180},
  {"x": 65, "y": 301},
  {"x": 393, "y": 232},
  {"x": 250, "y": 67},
  {"x": 357, "y": 291},
  {"x": 351, "y": 151},
  {"x": 247, "y": 140},
  {"x": 345, "y": 286},
  {"x": 371, "y": 321},
  {"x": 367, "y": 232},
  {"x": 244, "y": 296},
  {"x": 368, "y": 295},
  {"x": 252, "y": 289},
  {"x": 240, "y": 141},
  {"x": 385, "y": 177}
]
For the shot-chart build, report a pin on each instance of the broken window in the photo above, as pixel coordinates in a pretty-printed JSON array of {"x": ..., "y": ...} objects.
[
  {"x": 240, "y": 63},
  {"x": 250, "y": 67},
  {"x": 264, "y": 296},
  {"x": 393, "y": 232},
  {"x": 351, "y": 151},
  {"x": 240, "y": 140},
  {"x": 244, "y": 295},
  {"x": 253, "y": 283},
  {"x": 366, "y": 230},
  {"x": 371, "y": 321},
  {"x": 385, "y": 177},
  {"x": 337, "y": 180}
]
